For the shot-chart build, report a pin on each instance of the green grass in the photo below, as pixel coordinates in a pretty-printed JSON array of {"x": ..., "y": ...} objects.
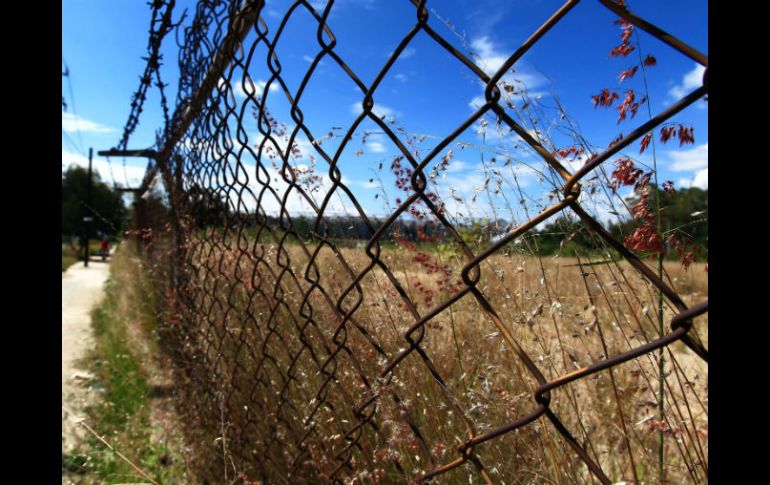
[
  {"x": 125, "y": 388},
  {"x": 72, "y": 254},
  {"x": 122, "y": 414},
  {"x": 68, "y": 257}
]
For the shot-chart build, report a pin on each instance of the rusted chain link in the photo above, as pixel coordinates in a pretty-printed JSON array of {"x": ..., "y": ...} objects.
[{"x": 262, "y": 335}]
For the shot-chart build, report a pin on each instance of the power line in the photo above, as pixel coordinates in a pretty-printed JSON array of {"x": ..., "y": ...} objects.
[
  {"x": 72, "y": 143},
  {"x": 66, "y": 73},
  {"x": 125, "y": 174},
  {"x": 112, "y": 174}
]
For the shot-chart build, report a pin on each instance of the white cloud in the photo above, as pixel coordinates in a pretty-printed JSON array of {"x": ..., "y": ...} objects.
[
  {"x": 366, "y": 184},
  {"x": 376, "y": 147},
  {"x": 241, "y": 87},
  {"x": 369, "y": 185},
  {"x": 295, "y": 203},
  {"x": 689, "y": 160},
  {"x": 102, "y": 167},
  {"x": 490, "y": 58},
  {"x": 690, "y": 81},
  {"x": 460, "y": 195},
  {"x": 379, "y": 110},
  {"x": 477, "y": 102},
  {"x": 320, "y": 5},
  {"x": 70, "y": 122},
  {"x": 573, "y": 164},
  {"x": 245, "y": 175},
  {"x": 502, "y": 134},
  {"x": 228, "y": 172},
  {"x": 374, "y": 143},
  {"x": 70, "y": 158},
  {"x": 456, "y": 166},
  {"x": 303, "y": 145},
  {"x": 700, "y": 180},
  {"x": 524, "y": 173},
  {"x": 401, "y": 77},
  {"x": 487, "y": 55},
  {"x": 406, "y": 53},
  {"x": 466, "y": 189}
]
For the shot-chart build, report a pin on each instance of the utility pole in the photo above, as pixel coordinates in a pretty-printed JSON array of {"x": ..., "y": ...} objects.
[{"x": 88, "y": 218}]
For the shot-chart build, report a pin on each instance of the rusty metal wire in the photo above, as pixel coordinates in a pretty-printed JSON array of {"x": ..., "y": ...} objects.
[
  {"x": 160, "y": 25},
  {"x": 273, "y": 355}
]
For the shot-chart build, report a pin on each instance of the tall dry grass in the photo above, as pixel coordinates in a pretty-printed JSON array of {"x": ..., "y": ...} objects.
[{"x": 283, "y": 360}]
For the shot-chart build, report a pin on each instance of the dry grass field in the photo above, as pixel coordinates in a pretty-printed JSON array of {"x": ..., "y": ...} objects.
[{"x": 314, "y": 367}]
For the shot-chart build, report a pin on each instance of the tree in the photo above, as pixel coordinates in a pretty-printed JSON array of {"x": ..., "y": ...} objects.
[
  {"x": 565, "y": 236},
  {"x": 683, "y": 212},
  {"x": 150, "y": 211},
  {"x": 207, "y": 207},
  {"x": 106, "y": 207}
]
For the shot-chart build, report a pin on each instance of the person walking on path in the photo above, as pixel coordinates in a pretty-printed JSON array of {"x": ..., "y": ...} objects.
[{"x": 104, "y": 249}]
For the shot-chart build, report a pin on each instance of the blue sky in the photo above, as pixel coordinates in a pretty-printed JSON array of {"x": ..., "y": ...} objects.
[{"x": 425, "y": 92}]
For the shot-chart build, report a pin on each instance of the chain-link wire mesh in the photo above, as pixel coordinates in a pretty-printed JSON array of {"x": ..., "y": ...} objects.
[{"x": 304, "y": 358}]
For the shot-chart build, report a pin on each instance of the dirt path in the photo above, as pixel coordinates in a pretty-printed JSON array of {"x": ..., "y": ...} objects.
[{"x": 81, "y": 290}]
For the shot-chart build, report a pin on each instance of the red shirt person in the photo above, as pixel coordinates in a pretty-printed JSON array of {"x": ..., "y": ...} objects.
[{"x": 104, "y": 248}]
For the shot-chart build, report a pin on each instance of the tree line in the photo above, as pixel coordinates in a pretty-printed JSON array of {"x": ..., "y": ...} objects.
[
  {"x": 684, "y": 212},
  {"x": 107, "y": 211}
]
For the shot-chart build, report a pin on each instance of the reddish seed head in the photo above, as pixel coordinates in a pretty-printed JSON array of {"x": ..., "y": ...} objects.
[
  {"x": 650, "y": 61},
  {"x": 666, "y": 132},
  {"x": 605, "y": 98},
  {"x": 627, "y": 74},
  {"x": 645, "y": 142}
]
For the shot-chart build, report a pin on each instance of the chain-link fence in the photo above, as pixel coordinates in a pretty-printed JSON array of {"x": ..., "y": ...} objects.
[{"x": 313, "y": 348}]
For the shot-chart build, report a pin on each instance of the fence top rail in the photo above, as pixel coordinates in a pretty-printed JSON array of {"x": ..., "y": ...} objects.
[
  {"x": 186, "y": 112},
  {"x": 113, "y": 152}
]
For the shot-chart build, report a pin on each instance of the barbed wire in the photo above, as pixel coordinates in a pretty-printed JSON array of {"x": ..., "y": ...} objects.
[{"x": 160, "y": 25}]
